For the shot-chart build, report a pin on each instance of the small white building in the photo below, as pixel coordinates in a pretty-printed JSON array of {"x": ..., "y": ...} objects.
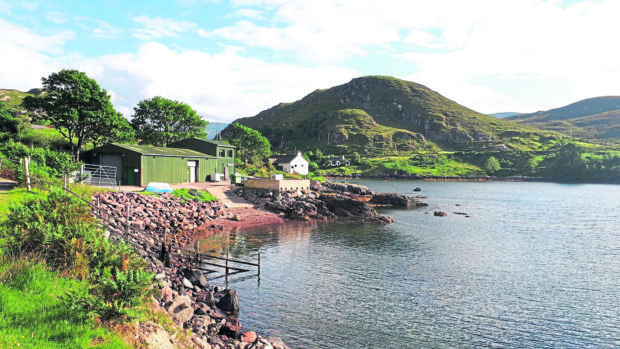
[{"x": 291, "y": 163}]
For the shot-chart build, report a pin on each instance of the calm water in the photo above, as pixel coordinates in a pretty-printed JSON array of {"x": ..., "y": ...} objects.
[{"x": 535, "y": 265}]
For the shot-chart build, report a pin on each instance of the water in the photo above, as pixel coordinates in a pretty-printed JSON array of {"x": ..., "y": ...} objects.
[{"x": 536, "y": 265}]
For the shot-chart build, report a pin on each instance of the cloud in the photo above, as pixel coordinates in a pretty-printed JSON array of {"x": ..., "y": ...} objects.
[
  {"x": 153, "y": 28},
  {"x": 56, "y": 17},
  {"x": 26, "y": 56},
  {"x": 221, "y": 87},
  {"x": 553, "y": 54},
  {"x": 105, "y": 30}
]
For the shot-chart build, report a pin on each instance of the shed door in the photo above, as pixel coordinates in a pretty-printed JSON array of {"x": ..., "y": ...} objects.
[
  {"x": 114, "y": 160},
  {"x": 193, "y": 167}
]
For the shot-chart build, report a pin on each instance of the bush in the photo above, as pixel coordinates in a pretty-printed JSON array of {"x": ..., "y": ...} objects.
[{"x": 59, "y": 228}]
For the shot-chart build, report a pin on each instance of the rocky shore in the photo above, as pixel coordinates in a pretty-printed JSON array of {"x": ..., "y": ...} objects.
[
  {"x": 328, "y": 200},
  {"x": 162, "y": 226},
  {"x": 184, "y": 294}
]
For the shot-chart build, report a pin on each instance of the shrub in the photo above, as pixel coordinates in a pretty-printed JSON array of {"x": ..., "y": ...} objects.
[{"x": 59, "y": 228}]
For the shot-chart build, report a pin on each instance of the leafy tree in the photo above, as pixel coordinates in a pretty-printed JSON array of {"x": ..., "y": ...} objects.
[
  {"x": 492, "y": 165},
  {"x": 78, "y": 108},
  {"x": 318, "y": 154},
  {"x": 7, "y": 122},
  {"x": 160, "y": 121},
  {"x": 356, "y": 158},
  {"x": 251, "y": 145}
]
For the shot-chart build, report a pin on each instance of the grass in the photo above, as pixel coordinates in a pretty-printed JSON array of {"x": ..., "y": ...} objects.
[
  {"x": 33, "y": 314},
  {"x": 15, "y": 195},
  {"x": 185, "y": 195}
]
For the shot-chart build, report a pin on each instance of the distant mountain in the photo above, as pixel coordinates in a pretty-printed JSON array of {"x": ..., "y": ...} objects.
[
  {"x": 504, "y": 114},
  {"x": 214, "y": 127},
  {"x": 382, "y": 115},
  {"x": 593, "y": 118}
]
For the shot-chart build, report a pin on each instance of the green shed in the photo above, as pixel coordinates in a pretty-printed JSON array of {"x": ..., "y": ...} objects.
[
  {"x": 139, "y": 164},
  {"x": 224, "y": 152}
]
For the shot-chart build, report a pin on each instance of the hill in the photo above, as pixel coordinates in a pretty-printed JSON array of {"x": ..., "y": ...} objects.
[
  {"x": 384, "y": 115},
  {"x": 12, "y": 99},
  {"x": 593, "y": 118}
]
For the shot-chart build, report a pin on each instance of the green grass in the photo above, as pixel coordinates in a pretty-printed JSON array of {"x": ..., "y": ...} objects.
[
  {"x": 16, "y": 195},
  {"x": 185, "y": 195},
  {"x": 33, "y": 315}
]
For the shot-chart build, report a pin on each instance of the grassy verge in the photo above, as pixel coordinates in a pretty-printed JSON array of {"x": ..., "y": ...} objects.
[
  {"x": 33, "y": 313},
  {"x": 16, "y": 195}
]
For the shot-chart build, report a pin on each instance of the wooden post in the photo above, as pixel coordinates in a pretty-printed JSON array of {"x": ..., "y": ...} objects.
[
  {"x": 98, "y": 206},
  {"x": 258, "y": 263},
  {"x": 27, "y": 172},
  {"x": 1, "y": 165},
  {"x": 128, "y": 228},
  {"x": 227, "y": 251},
  {"x": 66, "y": 182}
]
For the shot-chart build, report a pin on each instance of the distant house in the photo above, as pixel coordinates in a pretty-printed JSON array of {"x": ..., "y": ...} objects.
[
  {"x": 291, "y": 163},
  {"x": 335, "y": 161},
  {"x": 189, "y": 160}
]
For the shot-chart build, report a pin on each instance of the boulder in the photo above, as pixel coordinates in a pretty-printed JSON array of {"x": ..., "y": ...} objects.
[
  {"x": 181, "y": 310},
  {"x": 249, "y": 337},
  {"x": 440, "y": 214},
  {"x": 392, "y": 199},
  {"x": 229, "y": 303},
  {"x": 276, "y": 342}
]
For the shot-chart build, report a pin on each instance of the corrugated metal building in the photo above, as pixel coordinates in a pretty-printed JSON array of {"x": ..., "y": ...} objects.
[
  {"x": 139, "y": 165},
  {"x": 224, "y": 152}
]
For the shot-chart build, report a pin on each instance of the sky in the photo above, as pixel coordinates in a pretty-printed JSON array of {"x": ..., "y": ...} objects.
[{"x": 231, "y": 59}]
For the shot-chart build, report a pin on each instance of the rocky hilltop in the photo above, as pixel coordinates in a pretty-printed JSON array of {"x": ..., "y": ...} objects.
[{"x": 378, "y": 114}]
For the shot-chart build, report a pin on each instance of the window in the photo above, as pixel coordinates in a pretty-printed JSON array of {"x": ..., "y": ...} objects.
[
  {"x": 230, "y": 153},
  {"x": 222, "y": 153}
]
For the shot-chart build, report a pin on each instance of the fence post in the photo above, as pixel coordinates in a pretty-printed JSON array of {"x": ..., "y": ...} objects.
[
  {"x": 66, "y": 182},
  {"x": 98, "y": 206},
  {"x": 27, "y": 172},
  {"x": 128, "y": 227},
  {"x": 227, "y": 252}
]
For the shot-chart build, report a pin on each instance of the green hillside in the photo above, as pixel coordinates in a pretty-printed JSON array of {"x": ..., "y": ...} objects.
[
  {"x": 12, "y": 99},
  {"x": 382, "y": 115},
  {"x": 593, "y": 118}
]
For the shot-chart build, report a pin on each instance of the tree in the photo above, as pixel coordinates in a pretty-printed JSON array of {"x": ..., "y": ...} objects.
[
  {"x": 160, "y": 121},
  {"x": 78, "y": 108},
  {"x": 251, "y": 145},
  {"x": 356, "y": 158},
  {"x": 492, "y": 165}
]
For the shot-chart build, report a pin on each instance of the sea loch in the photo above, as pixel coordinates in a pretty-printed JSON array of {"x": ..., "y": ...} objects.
[{"x": 534, "y": 265}]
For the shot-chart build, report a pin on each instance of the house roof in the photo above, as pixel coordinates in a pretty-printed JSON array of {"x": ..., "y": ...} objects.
[
  {"x": 283, "y": 159},
  {"x": 161, "y": 151}
]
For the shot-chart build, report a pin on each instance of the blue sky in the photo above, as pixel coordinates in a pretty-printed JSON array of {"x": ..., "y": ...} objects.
[{"x": 230, "y": 59}]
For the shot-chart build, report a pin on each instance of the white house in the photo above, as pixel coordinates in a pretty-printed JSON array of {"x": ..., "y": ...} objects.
[{"x": 291, "y": 163}]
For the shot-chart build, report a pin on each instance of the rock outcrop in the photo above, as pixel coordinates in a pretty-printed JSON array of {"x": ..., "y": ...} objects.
[{"x": 328, "y": 200}]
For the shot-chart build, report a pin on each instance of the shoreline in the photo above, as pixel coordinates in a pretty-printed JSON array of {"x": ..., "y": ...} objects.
[
  {"x": 472, "y": 179},
  {"x": 162, "y": 227}
]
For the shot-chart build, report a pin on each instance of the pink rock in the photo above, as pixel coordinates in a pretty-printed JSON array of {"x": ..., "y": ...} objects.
[{"x": 249, "y": 337}]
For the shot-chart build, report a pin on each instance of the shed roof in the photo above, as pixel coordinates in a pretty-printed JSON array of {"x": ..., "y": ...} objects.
[
  {"x": 212, "y": 141},
  {"x": 161, "y": 151}
]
